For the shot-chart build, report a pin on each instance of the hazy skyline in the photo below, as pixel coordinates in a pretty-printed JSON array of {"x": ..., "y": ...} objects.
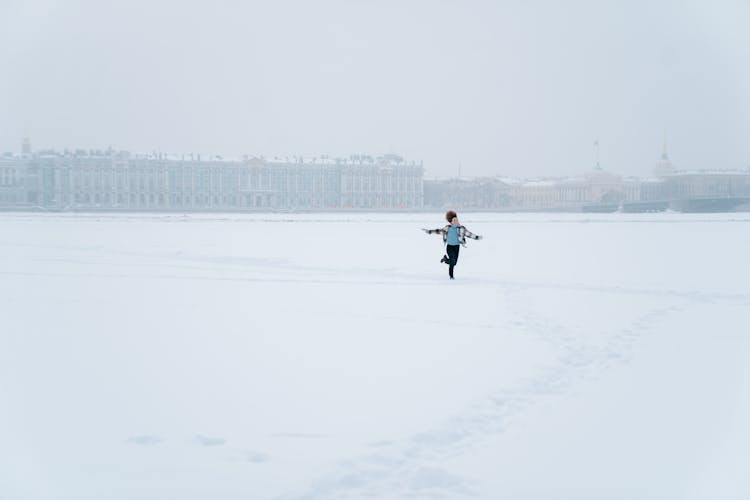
[{"x": 501, "y": 88}]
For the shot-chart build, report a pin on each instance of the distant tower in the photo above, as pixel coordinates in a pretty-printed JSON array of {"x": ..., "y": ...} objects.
[
  {"x": 26, "y": 146},
  {"x": 596, "y": 154},
  {"x": 664, "y": 166}
]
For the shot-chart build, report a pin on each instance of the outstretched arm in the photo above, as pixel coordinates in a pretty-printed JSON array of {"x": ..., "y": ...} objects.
[
  {"x": 433, "y": 231},
  {"x": 471, "y": 235}
]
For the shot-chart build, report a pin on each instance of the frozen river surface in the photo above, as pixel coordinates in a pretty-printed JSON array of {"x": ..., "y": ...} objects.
[{"x": 327, "y": 356}]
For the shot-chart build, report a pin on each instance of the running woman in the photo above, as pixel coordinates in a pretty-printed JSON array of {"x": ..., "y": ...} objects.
[{"x": 454, "y": 235}]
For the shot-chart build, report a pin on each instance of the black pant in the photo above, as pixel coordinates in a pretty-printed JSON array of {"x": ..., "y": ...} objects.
[{"x": 452, "y": 251}]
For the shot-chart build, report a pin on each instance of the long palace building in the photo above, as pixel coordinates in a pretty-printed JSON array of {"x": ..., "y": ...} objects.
[{"x": 116, "y": 180}]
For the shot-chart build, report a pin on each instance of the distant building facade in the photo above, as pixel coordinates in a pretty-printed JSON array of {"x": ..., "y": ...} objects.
[
  {"x": 598, "y": 190},
  {"x": 122, "y": 181},
  {"x": 558, "y": 194},
  {"x": 594, "y": 190}
]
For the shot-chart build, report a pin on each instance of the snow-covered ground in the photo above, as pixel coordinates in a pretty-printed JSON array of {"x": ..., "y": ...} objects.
[{"x": 328, "y": 356}]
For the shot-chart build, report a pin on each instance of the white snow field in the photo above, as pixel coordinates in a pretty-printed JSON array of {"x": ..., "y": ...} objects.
[{"x": 327, "y": 356}]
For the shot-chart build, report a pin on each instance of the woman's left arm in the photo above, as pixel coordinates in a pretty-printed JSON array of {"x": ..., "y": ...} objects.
[{"x": 471, "y": 235}]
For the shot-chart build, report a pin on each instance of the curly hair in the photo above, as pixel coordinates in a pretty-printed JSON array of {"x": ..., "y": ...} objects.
[{"x": 450, "y": 214}]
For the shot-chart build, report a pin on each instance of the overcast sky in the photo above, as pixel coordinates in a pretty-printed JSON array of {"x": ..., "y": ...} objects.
[{"x": 518, "y": 88}]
